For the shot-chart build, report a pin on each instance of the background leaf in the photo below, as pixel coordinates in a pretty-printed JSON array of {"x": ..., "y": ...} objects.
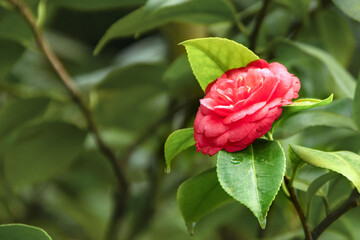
[
  {"x": 343, "y": 79},
  {"x": 343, "y": 162},
  {"x": 16, "y": 113},
  {"x": 300, "y": 121},
  {"x": 141, "y": 20},
  {"x": 42, "y": 151},
  {"x": 200, "y": 195},
  {"x": 95, "y": 5},
  {"x": 211, "y": 57},
  {"x": 176, "y": 143},
  {"x": 329, "y": 20},
  {"x": 356, "y": 107},
  {"x": 10, "y": 53},
  {"x": 253, "y": 176},
  {"x": 22, "y": 232},
  {"x": 349, "y": 7}
]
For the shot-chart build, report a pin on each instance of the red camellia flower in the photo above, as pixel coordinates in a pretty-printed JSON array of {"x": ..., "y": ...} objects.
[{"x": 241, "y": 106}]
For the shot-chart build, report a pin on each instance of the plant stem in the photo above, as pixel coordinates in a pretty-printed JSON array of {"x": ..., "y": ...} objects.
[
  {"x": 122, "y": 184},
  {"x": 259, "y": 21},
  {"x": 298, "y": 209},
  {"x": 352, "y": 202}
]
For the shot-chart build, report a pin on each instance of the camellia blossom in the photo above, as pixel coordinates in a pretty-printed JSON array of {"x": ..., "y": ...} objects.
[{"x": 241, "y": 106}]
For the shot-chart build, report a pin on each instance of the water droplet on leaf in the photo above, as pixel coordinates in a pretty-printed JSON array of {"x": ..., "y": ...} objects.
[
  {"x": 191, "y": 227},
  {"x": 167, "y": 170},
  {"x": 233, "y": 161}
]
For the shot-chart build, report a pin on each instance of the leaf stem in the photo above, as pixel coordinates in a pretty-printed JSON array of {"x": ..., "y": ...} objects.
[
  {"x": 352, "y": 202},
  {"x": 259, "y": 21},
  {"x": 122, "y": 184},
  {"x": 298, "y": 209}
]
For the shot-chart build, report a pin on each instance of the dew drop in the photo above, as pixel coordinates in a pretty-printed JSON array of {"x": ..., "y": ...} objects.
[
  {"x": 191, "y": 228},
  {"x": 233, "y": 161},
  {"x": 167, "y": 170}
]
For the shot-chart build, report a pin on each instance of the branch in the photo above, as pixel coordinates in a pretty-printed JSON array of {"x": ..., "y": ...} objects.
[
  {"x": 352, "y": 202},
  {"x": 122, "y": 188},
  {"x": 259, "y": 20},
  {"x": 299, "y": 211}
]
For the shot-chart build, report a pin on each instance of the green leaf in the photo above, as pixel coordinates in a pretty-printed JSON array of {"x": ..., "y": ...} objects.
[
  {"x": 356, "y": 107},
  {"x": 14, "y": 27},
  {"x": 296, "y": 163},
  {"x": 299, "y": 7},
  {"x": 298, "y": 122},
  {"x": 133, "y": 75},
  {"x": 141, "y": 20},
  {"x": 177, "y": 142},
  {"x": 200, "y": 195},
  {"x": 181, "y": 80},
  {"x": 343, "y": 79},
  {"x": 16, "y": 113},
  {"x": 304, "y": 104},
  {"x": 22, "y": 232},
  {"x": 317, "y": 184},
  {"x": 10, "y": 53},
  {"x": 349, "y": 7},
  {"x": 211, "y": 57},
  {"x": 253, "y": 176},
  {"x": 42, "y": 151},
  {"x": 343, "y": 162},
  {"x": 95, "y": 5},
  {"x": 327, "y": 21}
]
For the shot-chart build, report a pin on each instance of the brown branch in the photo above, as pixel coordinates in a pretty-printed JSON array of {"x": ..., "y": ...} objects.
[
  {"x": 259, "y": 20},
  {"x": 352, "y": 202},
  {"x": 299, "y": 211},
  {"x": 122, "y": 188}
]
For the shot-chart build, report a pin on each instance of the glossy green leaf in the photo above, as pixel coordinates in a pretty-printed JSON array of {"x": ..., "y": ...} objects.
[
  {"x": 304, "y": 104},
  {"x": 16, "y": 113},
  {"x": 298, "y": 122},
  {"x": 343, "y": 162},
  {"x": 95, "y": 5},
  {"x": 10, "y": 53},
  {"x": 343, "y": 79},
  {"x": 349, "y": 7},
  {"x": 253, "y": 176},
  {"x": 141, "y": 20},
  {"x": 200, "y": 195},
  {"x": 211, "y": 57},
  {"x": 42, "y": 151},
  {"x": 22, "y": 232},
  {"x": 327, "y": 21},
  {"x": 356, "y": 106},
  {"x": 176, "y": 143}
]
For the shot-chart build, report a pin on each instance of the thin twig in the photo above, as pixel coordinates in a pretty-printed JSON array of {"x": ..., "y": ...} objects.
[
  {"x": 299, "y": 211},
  {"x": 122, "y": 188},
  {"x": 352, "y": 202},
  {"x": 259, "y": 21}
]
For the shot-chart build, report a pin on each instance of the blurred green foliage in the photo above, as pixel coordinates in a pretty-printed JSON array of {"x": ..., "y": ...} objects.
[{"x": 140, "y": 88}]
